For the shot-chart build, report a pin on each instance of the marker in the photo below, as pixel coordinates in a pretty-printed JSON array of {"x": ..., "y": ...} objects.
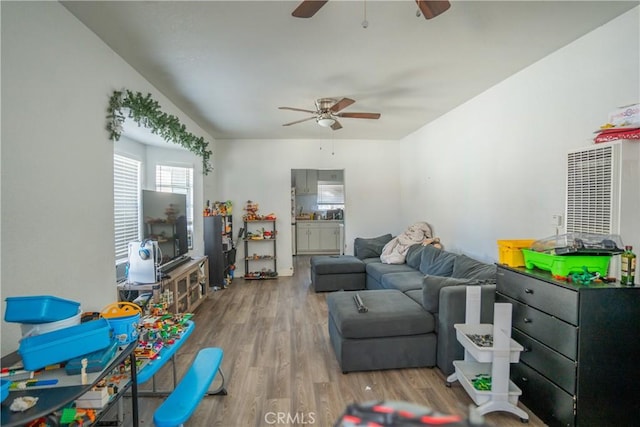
[{"x": 39, "y": 383}]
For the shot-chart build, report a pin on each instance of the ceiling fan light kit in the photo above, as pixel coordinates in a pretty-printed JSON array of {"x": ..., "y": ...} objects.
[
  {"x": 326, "y": 121},
  {"x": 327, "y": 112}
]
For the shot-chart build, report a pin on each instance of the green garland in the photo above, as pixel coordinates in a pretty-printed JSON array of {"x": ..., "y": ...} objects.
[{"x": 145, "y": 111}]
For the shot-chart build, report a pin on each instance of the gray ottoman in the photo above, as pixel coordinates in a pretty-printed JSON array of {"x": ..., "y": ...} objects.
[
  {"x": 395, "y": 333},
  {"x": 337, "y": 272}
]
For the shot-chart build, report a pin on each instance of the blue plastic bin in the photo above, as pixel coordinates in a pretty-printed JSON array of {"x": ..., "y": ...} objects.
[
  {"x": 64, "y": 344},
  {"x": 39, "y": 309},
  {"x": 5, "y": 389}
]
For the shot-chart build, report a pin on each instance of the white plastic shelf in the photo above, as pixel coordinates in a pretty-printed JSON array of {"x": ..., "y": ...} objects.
[
  {"x": 467, "y": 371},
  {"x": 481, "y": 353},
  {"x": 491, "y": 360}
]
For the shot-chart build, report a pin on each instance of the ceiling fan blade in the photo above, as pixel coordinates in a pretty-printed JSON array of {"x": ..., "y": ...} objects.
[
  {"x": 299, "y": 121},
  {"x": 431, "y": 9},
  {"x": 343, "y": 103},
  {"x": 336, "y": 125},
  {"x": 297, "y": 109},
  {"x": 308, "y": 8},
  {"x": 359, "y": 115}
]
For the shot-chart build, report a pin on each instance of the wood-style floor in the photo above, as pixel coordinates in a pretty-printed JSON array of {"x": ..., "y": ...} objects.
[{"x": 281, "y": 370}]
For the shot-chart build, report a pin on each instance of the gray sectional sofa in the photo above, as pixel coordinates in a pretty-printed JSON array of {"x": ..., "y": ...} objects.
[{"x": 434, "y": 279}]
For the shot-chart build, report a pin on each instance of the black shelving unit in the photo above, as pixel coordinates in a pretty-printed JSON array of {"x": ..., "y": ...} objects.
[
  {"x": 218, "y": 246},
  {"x": 260, "y": 249}
]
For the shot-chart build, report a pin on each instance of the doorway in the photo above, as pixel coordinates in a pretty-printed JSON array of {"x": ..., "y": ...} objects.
[{"x": 317, "y": 211}]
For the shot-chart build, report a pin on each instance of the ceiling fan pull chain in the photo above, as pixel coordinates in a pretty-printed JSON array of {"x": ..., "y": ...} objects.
[{"x": 365, "y": 23}]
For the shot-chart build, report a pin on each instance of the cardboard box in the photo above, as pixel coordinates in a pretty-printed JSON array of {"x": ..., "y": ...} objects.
[{"x": 628, "y": 115}]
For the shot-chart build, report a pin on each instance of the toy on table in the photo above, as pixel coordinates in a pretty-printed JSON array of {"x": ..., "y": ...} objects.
[{"x": 158, "y": 332}]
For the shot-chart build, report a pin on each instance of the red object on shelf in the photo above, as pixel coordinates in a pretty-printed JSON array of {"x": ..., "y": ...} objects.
[{"x": 614, "y": 134}]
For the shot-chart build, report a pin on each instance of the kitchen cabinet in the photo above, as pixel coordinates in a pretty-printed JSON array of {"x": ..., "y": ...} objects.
[
  {"x": 577, "y": 367},
  {"x": 306, "y": 181},
  {"x": 331, "y": 175},
  {"x": 318, "y": 237}
]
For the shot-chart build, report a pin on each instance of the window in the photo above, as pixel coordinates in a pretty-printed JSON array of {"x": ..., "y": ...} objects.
[
  {"x": 126, "y": 203},
  {"x": 173, "y": 179},
  {"x": 330, "y": 196}
]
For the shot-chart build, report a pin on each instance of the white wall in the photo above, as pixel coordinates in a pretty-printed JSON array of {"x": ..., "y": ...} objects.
[
  {"x": 494, "y": 168},
  {"x": 57, "y": 160},
  {"x": 260, "y": 170}
]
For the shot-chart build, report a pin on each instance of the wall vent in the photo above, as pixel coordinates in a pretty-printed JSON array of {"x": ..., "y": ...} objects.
[{"x": 590, "y": 190}]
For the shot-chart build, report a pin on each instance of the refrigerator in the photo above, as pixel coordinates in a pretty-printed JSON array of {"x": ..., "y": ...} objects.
[{"x": 293, "y": 221}]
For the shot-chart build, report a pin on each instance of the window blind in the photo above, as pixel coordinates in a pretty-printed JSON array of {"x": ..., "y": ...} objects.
[
  {"x": 330, "y": 194},
  {"x": 175, "y": 179},
  {"x": 126, "y": 203}
]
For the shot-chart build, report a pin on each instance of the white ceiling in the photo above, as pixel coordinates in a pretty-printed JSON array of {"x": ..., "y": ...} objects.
[{"x": 230, "y": 64}]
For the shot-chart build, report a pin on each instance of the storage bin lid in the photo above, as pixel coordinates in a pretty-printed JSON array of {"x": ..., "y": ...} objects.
[{"x": 580, "y": 244}]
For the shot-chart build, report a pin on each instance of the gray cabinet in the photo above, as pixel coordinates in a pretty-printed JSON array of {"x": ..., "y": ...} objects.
[
  {"x": 581, "y": 343},
  {"x": 306, "y": 181},
  {"x": 318, "y": 237},
  {"x": 331, "y": 175}
]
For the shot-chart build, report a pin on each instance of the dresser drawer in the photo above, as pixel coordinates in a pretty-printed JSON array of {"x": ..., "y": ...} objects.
[
  {"x": 560, "y": 336},
  {"x": 561, "y": 370},
  {"x": 553, "y": 405},
  {"x": 555, "y": 300}
]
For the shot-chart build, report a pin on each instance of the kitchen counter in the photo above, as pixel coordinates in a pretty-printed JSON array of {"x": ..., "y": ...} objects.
[{"x": 338, "y": 221}]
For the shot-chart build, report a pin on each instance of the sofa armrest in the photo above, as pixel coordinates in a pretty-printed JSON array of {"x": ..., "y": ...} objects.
[{"x": 452, "y": 307}]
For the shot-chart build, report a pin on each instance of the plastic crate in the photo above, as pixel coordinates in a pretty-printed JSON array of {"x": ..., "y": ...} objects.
[
  {"x": 39, "y": 309},
  {"x": 510, "y": 251},
  {"x": 64, "y": 344},
  {"x": 4, "y": 389},
  {"x": 564, "y": 265}
]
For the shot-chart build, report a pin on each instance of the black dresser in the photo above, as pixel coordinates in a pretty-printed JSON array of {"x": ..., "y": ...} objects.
[{"x": 581, "y": 360}]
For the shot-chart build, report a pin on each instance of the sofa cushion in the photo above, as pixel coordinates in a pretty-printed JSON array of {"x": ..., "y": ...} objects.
[
  {"x": 336, "y": 264},
  {"x": 378, "y": 269},
  {"x": 469, "y": 268},
  {"x": 390, "y": 313},
  {"x": 437, "y": 262},
  {"x": 416, "y": 295},
  {"x": 403, "y": 281},
  {"x": 431, "y": 286},
  {"x": 414, "y": 256},
  {"x": 370, "y": 247}
]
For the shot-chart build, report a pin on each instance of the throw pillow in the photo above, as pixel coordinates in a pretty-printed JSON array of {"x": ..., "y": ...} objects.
[
  {"x": 469, "y": 268},
  {"x": 431, "y": 286},
  {"x": 370, "y": 247},
  {"x": 436, "y": 262}
]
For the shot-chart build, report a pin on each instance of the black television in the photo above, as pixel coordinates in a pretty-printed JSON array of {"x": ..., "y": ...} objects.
[{"x": 165, "y": 221}]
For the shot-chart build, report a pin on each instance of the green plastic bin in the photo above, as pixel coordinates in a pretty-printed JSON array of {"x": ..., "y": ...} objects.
[{"x": 564, "y": 265}]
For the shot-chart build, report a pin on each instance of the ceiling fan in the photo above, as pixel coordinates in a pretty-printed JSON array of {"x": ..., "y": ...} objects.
[
  {"x": 429, "y": 9},
  {"x": 328, "y": 111}
]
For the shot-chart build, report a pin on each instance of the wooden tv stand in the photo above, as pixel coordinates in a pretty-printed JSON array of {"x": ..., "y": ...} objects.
[{"x": 185, "y": 288}]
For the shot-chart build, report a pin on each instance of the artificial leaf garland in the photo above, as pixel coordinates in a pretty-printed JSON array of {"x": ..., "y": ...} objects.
[{"x": 145, "y": 111}]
